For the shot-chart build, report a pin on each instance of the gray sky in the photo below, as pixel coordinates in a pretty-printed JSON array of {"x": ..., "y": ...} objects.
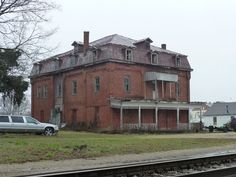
[{"x": 202, "y": 29}]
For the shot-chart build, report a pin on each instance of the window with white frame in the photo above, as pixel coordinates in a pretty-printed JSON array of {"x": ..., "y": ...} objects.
[
  {"x": 128, "y": 54},
  {"x": 74, "y": 87}
]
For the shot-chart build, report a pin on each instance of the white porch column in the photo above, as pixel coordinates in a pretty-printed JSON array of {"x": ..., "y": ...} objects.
[
  {"x": 156, "y": 117},
  {"x": 189, "y": 118},
  {"x": 139, "y": 117},
  {"x": 121, "y": 117},
  {"x": 177, "y": 120}
]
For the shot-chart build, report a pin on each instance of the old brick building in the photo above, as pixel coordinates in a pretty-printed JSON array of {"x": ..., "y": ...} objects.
[{"x": 113, "y": 83}]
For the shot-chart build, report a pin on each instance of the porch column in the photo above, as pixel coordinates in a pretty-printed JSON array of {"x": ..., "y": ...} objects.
[
  {"x": 139, "y": 117},
  {"x": 162, "y": 89},
  {"x": 156, "y": 91},
  {"x": 156, "y": 117},
  {"x": 121, "y": 117},
  {"x": 177, "y": 119},
  {"x": 189, "y": 118}
]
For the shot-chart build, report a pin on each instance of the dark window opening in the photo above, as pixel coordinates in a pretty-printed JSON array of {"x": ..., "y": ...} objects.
[
  {"x": 17, "y": 119},
  {"x": 97, "y": 84},
  {"x": 4, "y": 119},
  {"x": 74, "y": 87},
  {"x": 127, "y": 84},
  {"x": 128, "y": 55}
]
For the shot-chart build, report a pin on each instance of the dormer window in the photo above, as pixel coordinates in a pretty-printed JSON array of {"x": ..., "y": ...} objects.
[
  {"x": 128, "y": 55},
  {"x": 95, "y": 54},
  {"x": 154, "y": 58},
  {"x": 73, "y": 60},
  {"x": 177, "y": 62}
]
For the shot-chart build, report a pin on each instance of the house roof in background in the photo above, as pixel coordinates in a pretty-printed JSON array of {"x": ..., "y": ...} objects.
[
  {"x": 128, "y": 42},
  {"x": 221, "y": 108}
]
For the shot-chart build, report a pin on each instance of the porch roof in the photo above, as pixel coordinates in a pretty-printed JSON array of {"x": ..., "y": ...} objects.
[
  {"x": 152, "y": 76},
  {"x": 151, "y": 104}
]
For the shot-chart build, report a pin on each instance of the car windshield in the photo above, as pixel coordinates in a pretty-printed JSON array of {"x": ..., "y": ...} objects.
[{"x": 31, "y": 120}]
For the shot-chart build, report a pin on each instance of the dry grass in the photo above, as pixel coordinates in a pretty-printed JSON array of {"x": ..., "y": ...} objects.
[{"x": 17, "y": 148}]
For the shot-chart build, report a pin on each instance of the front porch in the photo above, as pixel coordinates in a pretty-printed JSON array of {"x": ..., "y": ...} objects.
[{"x": 153, "y": 114}]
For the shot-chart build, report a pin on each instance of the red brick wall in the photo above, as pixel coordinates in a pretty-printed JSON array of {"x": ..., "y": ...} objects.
[
  {"x": 41, "y": 107},
  {"x": 93, "y": 107}
]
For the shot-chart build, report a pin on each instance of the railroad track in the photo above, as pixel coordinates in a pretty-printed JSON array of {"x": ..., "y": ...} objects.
[{"x": 217, "y": 166}]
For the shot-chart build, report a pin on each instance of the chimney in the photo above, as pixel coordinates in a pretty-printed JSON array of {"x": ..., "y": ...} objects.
[
  {"x": 163, "y": 46},
  {"x": 86, "y": 41}
]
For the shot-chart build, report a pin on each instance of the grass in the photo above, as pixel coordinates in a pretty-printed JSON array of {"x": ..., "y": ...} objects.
[{"x": 18, "y": 148}]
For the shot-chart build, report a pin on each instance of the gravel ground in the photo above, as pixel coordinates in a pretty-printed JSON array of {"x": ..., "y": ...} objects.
[{"x": 74, "y": 164}]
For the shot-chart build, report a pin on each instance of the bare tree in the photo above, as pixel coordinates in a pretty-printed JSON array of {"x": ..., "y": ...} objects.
[{"x": 21, "y": 27}]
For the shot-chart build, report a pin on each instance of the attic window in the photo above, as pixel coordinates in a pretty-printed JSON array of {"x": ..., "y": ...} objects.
[
  {"x": 154, "y": 58},
  {"x": 94, "y": 54},
  {"x": 177, "y": 61},
  {"x": 128, "y": 54}
]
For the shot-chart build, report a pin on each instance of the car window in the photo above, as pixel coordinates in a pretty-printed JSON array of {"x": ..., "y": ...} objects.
[
  {"x": 17, "y": 119},
  {"x": 4, "y": 119},
  {"x": 31, "y": 120}
]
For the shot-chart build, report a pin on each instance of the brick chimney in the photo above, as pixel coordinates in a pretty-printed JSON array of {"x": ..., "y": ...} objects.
[
  {"x": 86, "y": 41},
  {"x": 163, "y": 46}
]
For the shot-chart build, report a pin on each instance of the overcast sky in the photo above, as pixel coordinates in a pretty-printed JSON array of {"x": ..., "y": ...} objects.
[{"x": 205, "y": 30}]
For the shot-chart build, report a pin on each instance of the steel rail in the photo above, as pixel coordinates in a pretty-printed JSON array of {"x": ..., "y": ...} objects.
[{"x": 148, "y": 166}]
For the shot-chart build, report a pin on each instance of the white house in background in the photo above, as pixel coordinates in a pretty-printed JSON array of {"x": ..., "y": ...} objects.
[
  {"x": 196, "y": 113},
  {"x": 219, "y": 114}
]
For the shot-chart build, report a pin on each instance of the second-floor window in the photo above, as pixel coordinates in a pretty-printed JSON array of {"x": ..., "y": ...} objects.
[
  {"x": 97, "y": 84},
  {"x": 127, "y": 85},
  {"x": 74, "y": 87},
  {"x": 128, "y": 54},
  {"x": 59, "y": 89},
  {"x": 45, "y": 91}
]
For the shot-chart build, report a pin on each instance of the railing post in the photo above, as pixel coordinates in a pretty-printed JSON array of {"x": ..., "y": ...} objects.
[
  {"x": 121, "y": 117},
  {"x": 156, "y": 117},
  {"x": 177, "y": 119},
  {"x": 139, "y": 117}
]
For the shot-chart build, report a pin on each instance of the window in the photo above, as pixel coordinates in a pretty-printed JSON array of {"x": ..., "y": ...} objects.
[
  {"x": 45, "y": 91},
  {"x": 38, "y": 92},
  {"x": 59, "y": 89},
  {"x": 97, "y": 84},
  {"x": 127, "y": 84},
  {"x": 17, "y": 119},
  {"x": 31, "y": 120},
  {"x": 177, "y": 61},
  {"x": 94, "y": 54},
  {"x": 73, "y": 60},
  {"x": 128, "y": 55},
  {"x": 4, "y": 119},
  {"x": 74, "y": 87},
  {"x": 154, "y": 58},
  {"x": 214, "y": 121}
]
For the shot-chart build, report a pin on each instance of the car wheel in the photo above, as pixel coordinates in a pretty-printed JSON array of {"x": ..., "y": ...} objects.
[{"x": 48, "y": 131}]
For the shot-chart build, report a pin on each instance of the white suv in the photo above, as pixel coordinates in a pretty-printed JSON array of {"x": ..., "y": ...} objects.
[{"x": 25, "y": 124}]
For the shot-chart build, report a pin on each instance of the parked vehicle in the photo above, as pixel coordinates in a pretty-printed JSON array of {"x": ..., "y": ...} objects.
[
  {"x": 26, "y": 124},
  {"x": 230, "y": 126}
]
